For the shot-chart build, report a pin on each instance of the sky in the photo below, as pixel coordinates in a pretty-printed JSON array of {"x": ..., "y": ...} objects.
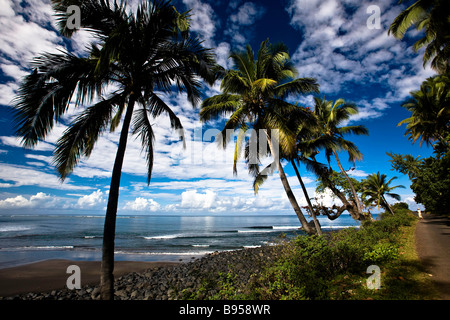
[{"x": 336, "y": 42}]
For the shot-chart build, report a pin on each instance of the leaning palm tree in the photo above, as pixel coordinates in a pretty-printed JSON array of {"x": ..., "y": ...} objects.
[
  {"x": 330, "y": 116},
  {"x": 375, "y": 188},
  {"x": 432, "y": 16},
  {"x": 253, "y": 97},
  {"x": 136, "y": 56},
  {"x": 306, "y": 146},
  {"x": 430, "y": 112}
]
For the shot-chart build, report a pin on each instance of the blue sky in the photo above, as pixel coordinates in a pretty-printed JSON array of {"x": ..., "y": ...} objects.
[{"x": 328, "y": 40}]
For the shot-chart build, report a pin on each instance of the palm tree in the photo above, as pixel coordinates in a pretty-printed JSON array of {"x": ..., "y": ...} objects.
[
  {"x": 430, "y": 112},
  {"x": 434, "y": 17},
  {"x": 138, "y": 55},
  {"x": 330, "y": 116},
  {"x": 375, "y": 187},
  {"x": 305, "y": 147},
  {"x": 254, "y": 95}
]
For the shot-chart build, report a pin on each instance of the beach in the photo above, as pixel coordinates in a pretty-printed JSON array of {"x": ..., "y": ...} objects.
[
  {"x": 26, "y": 239},
  {"x": 51, "y": 275},
  {"x": 46, "y": 280},
  {"x": 36, "y": 251}
]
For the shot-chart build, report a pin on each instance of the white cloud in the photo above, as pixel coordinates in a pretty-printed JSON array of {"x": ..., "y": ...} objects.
[
  {"x": 193, "y": 200},
  {"x": 7, "y": 8},
  {"x": 247, "y": 14},
  {"x": 338, "y": 49},
  {"x": 142, "y": 204},
  {"x": 239, "y": 23},
  {"x": 357, "y": 173},
  {"x": 39, "y": 200},
  {"x": 16, "y": 142},
  {"x": 21, "y": 41},
  {"x": 203, "y": 20},
  {"x": 413, "y": 205},
  {"x": 29, "y": 176},
  {"x": 327, "y": 198},
  {"x": 92, "y": 200},
  {"x": 7, "y": 92}
]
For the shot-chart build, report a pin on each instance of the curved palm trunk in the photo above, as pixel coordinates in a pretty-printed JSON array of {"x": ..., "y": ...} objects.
[
  {"x": 288, "y": 189},
  {"x": 109, "y": 231},
  {"x": 355, "y": 196},
  {"x": 346, "y": 205},
  {"x": 387, "y": 205},
  {"x": 316, "y": 222}
]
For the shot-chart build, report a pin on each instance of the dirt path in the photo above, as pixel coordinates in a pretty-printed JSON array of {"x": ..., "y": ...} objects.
[{"x": 433, "y": 248}]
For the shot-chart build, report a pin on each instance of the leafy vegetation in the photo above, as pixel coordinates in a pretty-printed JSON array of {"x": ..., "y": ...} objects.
[
  {"x": 141, "y": 54},
  {"x": 152, "y": 51},
  {"x": 430, "y": 179},
  {"x": 254, "y": 97},
  {"x": 375, "y": 188},
  {"x": 334, "y": 266},
  {"x": 429, "y": 106},
  {"x": 432, "y": 17}
]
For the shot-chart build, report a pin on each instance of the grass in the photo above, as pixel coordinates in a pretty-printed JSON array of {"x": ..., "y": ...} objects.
[
  {"x": 402, "y": 279},
  {"x": 334, "y": 267}
]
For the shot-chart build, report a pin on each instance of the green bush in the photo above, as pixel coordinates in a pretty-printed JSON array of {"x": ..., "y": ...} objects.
[
  {"x": 311, "y": 265},
  {"x": 400, "y": 206},
  {"x": 380, "y": 253}
]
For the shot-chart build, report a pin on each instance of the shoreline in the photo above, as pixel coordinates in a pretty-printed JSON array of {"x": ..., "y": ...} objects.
[
  {"x": 48, "y": 275},
  {"x": 134, "y": 279}
]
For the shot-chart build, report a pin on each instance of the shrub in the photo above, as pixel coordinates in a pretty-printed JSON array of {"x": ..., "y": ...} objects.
[
  {"x": 314, "y": 267},
  {"x": 381, "y": 252},
  {"x": 400, "y": 206}
]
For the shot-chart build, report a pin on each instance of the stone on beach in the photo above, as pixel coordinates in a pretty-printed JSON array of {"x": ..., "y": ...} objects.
[{"x": 175, "y": 281}]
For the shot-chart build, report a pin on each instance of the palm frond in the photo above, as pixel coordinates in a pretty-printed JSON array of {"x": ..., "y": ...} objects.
[
  {"x": 406, "y": 19},
  {"x": 261, "y": 177},
  {"x": 143, "y": 128},
  {"x": 238, "y": 149},
  {"x": 235, "y": 82},
  {"x": 156, "y": 106},
  {"x": 45, "y": 94},
  {"x": 79, "y": 139},
  {"x": 297, "y": 86},
  {"x": 219, "y": 105},
  {"x": 356, "y": 130},
  {"x": 97, "y": 16}
]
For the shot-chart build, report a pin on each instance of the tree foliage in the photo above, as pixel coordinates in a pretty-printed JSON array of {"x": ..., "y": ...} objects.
[
  {"x": 430, "y": 112},
  {"x": 430, "y": 179},
  {"x": 136, "y": 56},
  {"x": 432, "y": 17},
  {"x": 374, "y": 189}
]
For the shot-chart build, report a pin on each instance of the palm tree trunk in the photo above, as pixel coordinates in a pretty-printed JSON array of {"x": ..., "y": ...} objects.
[
  {"x": 355, "y": 196},
  {"x": 109, "y": 231},
  {"x": 299, "y": 177},
  {"x": 387, "y": 205},
  {"x": 347, "y": 205},
  {"x": 287, "y": 187}
]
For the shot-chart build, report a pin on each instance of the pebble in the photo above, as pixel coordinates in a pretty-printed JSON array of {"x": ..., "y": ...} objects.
[{"x": 173, "y": 282}]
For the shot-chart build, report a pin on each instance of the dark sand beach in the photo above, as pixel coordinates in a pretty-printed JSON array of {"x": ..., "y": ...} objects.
[
  {"x": 51, "y": 274},
  {"x": 46, "y": 280}
]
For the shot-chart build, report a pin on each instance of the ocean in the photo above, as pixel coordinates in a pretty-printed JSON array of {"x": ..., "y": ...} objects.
[{"x": 31, "y": 238}]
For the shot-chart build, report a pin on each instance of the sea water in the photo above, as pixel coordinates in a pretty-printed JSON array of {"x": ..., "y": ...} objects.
[{"x": 30, "y": 238}]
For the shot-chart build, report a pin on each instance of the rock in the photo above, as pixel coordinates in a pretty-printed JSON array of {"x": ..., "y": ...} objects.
[
  {"x": 95, "y": 294},
  {"x": 180, "y": 281},
  {"x": 121, "y": 293}
]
